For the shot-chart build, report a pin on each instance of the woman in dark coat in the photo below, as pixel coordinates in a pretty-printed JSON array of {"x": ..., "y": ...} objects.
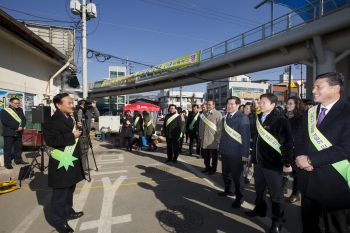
[
  {"x": 127, "y": 129},
  {"x": 138, "y": 128},
  {"x": 249, "y": 110},
  {"x": 294, "y": 111}
]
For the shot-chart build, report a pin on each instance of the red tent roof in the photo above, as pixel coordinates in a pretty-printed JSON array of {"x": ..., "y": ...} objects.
[{"x": 141, "y": 107}]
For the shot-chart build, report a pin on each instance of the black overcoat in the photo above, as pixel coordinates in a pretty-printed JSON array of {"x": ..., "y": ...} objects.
[
  {"x": 191, "y": 116},
  {"x": 10, "y": 125},
  {"x": 324, "y": 184},
  {"x": 58, "y": 134},
  {"x": 173, "y": 129}
]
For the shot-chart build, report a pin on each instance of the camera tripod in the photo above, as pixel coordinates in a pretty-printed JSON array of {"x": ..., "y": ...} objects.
[
  {"x": 35, "y": 163},
  {"x": 86, "y": 141}
]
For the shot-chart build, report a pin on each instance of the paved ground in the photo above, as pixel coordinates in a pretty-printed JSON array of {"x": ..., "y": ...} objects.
[{"x": 137, "y": 192}]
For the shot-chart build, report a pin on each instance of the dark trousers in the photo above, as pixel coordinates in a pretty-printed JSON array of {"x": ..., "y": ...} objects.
[
  {"x": 186, "y": 134},
  {"x": 172, "y": 146},
  {"x": 206, "y": 155},
  {"x": 191, "y": 144},
  {"x": 311, "y": 212},
  {"x": 16, "y": 142},
  {"x": 273, "y": 181},
  {"x": 181, "y": 142},
  {"x": 62, "y": 205},
  {"x": 232, "y": 171}
]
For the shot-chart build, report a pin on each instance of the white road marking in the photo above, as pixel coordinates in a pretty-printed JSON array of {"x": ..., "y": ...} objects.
[
  {"x": 265, "y": 220},
  {"x": 79, "y": 201},
  {"x": 109, "y": 162},
  {"x": 32, "y": 216},
  {"x": 104, "y": 224}
]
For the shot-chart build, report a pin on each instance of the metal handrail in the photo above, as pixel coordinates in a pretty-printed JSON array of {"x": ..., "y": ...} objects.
[{"x": 281, "y": 24}]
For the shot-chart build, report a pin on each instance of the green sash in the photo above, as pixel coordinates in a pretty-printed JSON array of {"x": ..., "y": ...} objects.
[
  {"x": 171, "y": 119},
  {"x": 65, "y": 157},
  {"x": 208, "y": 122},
  {"x": 267, "y": 137},
  {"x": 136, "y": 120},
  {"x": 14, "y": 115},
  {"x": 191, "y": 127},
  {"x": 182, "y": 131},
  {"x": 321, "y": 143},
  {"x": 232, "y": 133}
]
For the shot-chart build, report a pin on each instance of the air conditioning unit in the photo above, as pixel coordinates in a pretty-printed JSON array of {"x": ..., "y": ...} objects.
[
  {"x": 91, "y": 10},
  {"x": 75, "y": 7}
]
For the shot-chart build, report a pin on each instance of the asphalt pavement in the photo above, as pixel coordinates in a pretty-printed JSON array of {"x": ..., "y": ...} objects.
[{"x": 137, "y": 192}]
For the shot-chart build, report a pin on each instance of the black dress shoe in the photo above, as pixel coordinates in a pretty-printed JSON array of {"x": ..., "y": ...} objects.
[
  {"x": 224, "y": 194},
  {"x": 275, "y": 229},
  {"x": 167, "y": 161},
  {"x": 174, "y": 161},
  {"x": 206, "y": 170},
  {"x": 237, "y": 203},
  {"x": 211, "y": 173},
  {"x": 8, "y": 166},
  {"x": 75, "y": 215},
  {"x": 293, "y": 198},
  {"x": 64, "y": 229},
  {"x": 21, "y": 162},
  {"x": 254, "y": 213}
]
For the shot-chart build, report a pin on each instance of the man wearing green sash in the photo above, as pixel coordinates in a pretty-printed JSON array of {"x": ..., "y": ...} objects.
[
  {"x": 172, "y": 130},
  {"x": 272, "y": 155},
  {"x": 210, "y": 133},
  {"x": 192, "y": 119},
  {"x": 322, "y": 147},
  {"x": 234, "y": 149},
  {"x": 13, "y": 122},
  {"x": 65, "y": 169}
]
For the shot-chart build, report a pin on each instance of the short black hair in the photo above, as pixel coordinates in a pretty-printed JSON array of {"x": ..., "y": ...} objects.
[
  {"x": 237, "y": 100},
  {"x": 179, "y": 110},
  {"x": 14, "y": 98},
  {"x": 80, "y": 102},
  {"x": 333, "y": 79},
  {"x": 195, "y": 105},
  {"x": 171, "y": 106},
  {"x": 273, "y": 99},
  {"x": 58, "y": 98}
]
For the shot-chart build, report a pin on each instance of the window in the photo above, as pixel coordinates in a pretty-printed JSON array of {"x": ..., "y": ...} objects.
[
  {"x": 121, "y": 74},
  {"x": 244, "y": 79},
  {"x": 113, "y": 74},
  {"x": 293, "y": 94},
  {"x": 210, "y": 91},
  {"x": 277, "y": 93},
  {"x": 216, "y": 91}
]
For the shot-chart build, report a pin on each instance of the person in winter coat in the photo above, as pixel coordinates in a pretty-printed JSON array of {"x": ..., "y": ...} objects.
[
  {"x": 183, "y": 125},
  {"x": 149, "y": 130},
  {"x": 65, "y": 168},
  {"x": 272, "y": 155},
  {"x": 172, "y": 130},
  {"x": 127, "y": 129},
  {"x": 192, "y": 119},
  {"x": 138, "y": 128},
  {"x": 294, "y": 112},
  {"x": 210, "y": 133}
]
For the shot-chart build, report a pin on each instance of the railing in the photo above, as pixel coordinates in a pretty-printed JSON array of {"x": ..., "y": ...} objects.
[{"x": 298, "y": 17}]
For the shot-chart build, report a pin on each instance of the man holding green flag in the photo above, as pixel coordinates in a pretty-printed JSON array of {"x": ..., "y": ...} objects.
[{"x": 322, "y": 147}]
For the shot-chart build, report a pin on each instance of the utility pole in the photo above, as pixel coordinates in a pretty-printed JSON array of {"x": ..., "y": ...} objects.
[
  {"x": 301, "y": 81},
  {"x": 86, "y": 12},
  {"x": 289, "y": 80},
  {"x": 83, "y": 38}
]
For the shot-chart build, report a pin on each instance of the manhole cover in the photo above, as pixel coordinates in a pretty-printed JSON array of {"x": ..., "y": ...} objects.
[
  {"x": 180, "y": 219},
  {"x": 157, "y": 170}
]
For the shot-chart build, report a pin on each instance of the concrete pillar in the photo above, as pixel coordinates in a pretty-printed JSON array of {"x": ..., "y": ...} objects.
[
  {"x": 328, "y": 65},
  {"x": 343, "y": 67},
  {"x": 309, "y": 82}
]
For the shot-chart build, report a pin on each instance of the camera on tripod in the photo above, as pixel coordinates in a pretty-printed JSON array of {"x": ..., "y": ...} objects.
[{"x": 87, "y": 104}]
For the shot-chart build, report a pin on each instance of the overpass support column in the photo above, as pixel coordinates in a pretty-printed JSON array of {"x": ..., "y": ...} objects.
[
  {"x": 309, "y": 82},
  {"x": 343, "y": 66},
  {"x": 328, "y": 65}
]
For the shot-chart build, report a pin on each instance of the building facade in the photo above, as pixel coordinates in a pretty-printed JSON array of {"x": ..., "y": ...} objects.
[
  {"x": 241, "y": 86},
  {"x": 167, "y": 97}
]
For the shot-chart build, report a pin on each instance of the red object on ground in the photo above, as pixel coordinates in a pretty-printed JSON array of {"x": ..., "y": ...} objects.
[
  {"x": 142, "y": 107},
  {"x": 31, "y": 137}
]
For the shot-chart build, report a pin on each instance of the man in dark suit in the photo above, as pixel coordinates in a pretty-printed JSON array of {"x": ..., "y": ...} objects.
[
  {"x": 13, "y": 122},
  {"x": 272, "y": 155},
  {"x": 65, "y": 168},
  {"x": 192, "y": 118},
  {"x": 172, "y": 129},
  {"x": 234, "y": 149},
  {"x": 322, "y": 148}
]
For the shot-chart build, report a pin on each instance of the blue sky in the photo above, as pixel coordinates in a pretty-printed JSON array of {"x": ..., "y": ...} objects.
[{"x": 153, "y": 31}]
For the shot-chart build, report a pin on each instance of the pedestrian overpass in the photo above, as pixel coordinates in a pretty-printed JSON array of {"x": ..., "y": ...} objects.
[{"x": 316, "y": 34}]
